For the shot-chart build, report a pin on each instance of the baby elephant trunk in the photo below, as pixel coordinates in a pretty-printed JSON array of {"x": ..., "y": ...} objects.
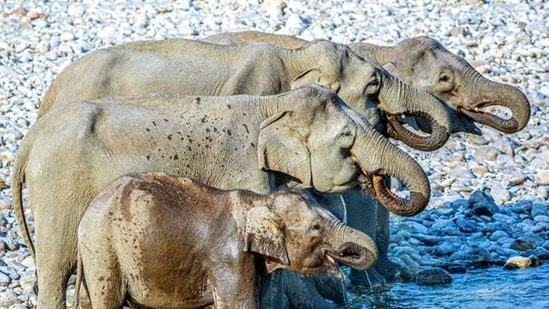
[{"x": 351, "y": 247}]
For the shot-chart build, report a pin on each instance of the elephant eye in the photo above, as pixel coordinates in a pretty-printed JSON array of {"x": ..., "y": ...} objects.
[{"x": 444, "y": 78}]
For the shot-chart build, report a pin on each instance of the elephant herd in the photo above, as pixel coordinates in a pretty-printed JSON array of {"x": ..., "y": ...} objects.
[{"x": 167, "y": 171}]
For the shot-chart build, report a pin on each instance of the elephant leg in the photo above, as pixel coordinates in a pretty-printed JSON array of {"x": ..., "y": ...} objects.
[
  {"x": 55, "y": 244},
  {"x": 384, "y": 266},
  {"x": 286, "y": 289},
  {"x": 362, "y": 215},
  {"x": 54, "y": 264},
  {"x": 102, "y": 276}
]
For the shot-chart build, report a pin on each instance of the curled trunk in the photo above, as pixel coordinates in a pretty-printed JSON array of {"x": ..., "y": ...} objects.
[
  {"x": 351, "y": 247},
  {"x": 387, "y": 161},
  {"x": 398, "y": 98},
  {"x": 497, "y": 94}
]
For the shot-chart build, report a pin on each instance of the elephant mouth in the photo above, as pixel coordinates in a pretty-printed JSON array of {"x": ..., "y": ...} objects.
[
  {"x": 478, "y": 113},
  {"x": 351, "y": 255}
]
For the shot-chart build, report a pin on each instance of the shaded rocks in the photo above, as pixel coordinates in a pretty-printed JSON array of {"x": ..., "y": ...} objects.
[
  {"x": 521, "y": 245},
  {"x": 433, "y": 276},
  {"x": 521, "y": 262}
]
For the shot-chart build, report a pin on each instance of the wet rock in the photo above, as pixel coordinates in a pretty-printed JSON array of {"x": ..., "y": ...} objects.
[
  {"x": 482, "y": 204},
  {"x": 466, "y": 226},
  {"x": 445, "y": 248},
  {"x": 433, "y": 276},
  {"x": 428, "y": 240},
  {"x": 520, "y": 262},
  {"x": 521, "y": 245},
  {"x": 498, "y": 235},
  {"x": 538, "y": 209}
]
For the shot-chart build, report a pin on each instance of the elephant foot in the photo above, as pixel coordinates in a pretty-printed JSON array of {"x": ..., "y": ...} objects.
[
  {"x": 387, "y": 269},
  {"x": 369, "y": 278}
]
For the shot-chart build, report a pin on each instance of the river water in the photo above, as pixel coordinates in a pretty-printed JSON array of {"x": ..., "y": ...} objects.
[{"x": 477, "y": 289}]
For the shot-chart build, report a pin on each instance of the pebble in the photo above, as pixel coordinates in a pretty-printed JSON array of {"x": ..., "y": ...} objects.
[{"x": 521, "y": 245}]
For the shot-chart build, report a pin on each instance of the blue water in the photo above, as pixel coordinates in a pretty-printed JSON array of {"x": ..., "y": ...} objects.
[{"x": 478, "y": 289}]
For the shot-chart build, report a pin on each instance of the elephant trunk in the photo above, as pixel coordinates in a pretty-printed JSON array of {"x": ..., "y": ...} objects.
[
  {"x": 351, "y": 247},
  {"x": 497, "y": 94},
  {"x": 378, "y": 159},
  {"x": 397, "y": 98}
]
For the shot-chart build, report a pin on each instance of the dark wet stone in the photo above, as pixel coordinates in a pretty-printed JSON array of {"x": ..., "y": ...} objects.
[
  {"x": 521, "y": 245},
  {"x": 482, "y": 204},
  {"x": 433, "y": 276},
  {"x": 428, "y": 239},
  {"x": 406, "y": 275}
]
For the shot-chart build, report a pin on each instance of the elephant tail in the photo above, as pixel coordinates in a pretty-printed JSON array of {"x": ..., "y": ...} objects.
[{"x": 18, "y": 179}]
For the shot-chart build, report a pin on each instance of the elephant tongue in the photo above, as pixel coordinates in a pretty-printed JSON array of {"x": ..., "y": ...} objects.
[{"x": 330, "y": 259}]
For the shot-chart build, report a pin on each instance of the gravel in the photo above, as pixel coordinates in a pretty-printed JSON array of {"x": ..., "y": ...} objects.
[{"x": 507, "y": 42}]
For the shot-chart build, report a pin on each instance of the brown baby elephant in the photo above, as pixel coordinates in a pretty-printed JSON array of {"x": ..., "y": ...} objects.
[{"x": 169, "y": 242}]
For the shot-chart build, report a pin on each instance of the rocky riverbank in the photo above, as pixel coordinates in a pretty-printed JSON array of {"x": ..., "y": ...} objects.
[
  {"x": 469, "y": 233},
  {"x": 505, "y": 41}
]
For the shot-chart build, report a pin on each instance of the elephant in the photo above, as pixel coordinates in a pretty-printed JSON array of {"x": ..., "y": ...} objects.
[
  {"x": 190, "y": 67},
  {"x": 305, "y": 138},
  {"x": 424, "y": 63},
  {"x": 170, "y": 242}
]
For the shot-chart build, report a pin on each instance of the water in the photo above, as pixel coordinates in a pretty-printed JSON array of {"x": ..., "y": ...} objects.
[{"x": 478, "y": 289}]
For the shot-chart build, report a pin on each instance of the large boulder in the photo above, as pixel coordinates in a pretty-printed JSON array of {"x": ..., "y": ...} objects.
[{"x": 482, "y": 204}]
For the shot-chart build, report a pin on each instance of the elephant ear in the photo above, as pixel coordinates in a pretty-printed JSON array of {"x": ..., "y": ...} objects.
[
  {"x": 264, "y": 234},
  {"x": 311, "y": 76},
  {"x": 315, "y": 76},
  {"x": 282, "y": 149}
]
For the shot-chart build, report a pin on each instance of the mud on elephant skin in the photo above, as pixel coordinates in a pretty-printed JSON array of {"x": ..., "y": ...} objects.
[
  {"x": 424, "y": 63},
  {"x": 144, "y": 233},
  {"x": 190, "y": 67},
  {"x": 307, "y": 136}
]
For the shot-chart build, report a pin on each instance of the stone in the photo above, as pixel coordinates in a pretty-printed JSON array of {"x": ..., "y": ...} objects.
[
  {"x": 466, "y": 226},
  {"x": 433, "y": 276},
  {"x": 4, "y": 279},
  {"x": 482, "y": 204},
  {"x": 486, "y": 153},
  {"x": 521, "y": 245},
  {"x": 500, "y": 194},
  {"x": 518, "y": 262},
  {"x": 538, "y": 209},
  {"x": 413, "y": 227},
  {"x": 445, "y": 248},
  {"x": 498, "y": 235},
  {"x": 542, "y": 177},
  {"x": 428, "y": 240},
  {"x": 541, "y": 218},
  {"x": 505, "y": 146}
]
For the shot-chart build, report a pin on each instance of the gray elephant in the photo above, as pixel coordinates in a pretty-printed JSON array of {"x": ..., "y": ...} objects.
[
  {"x": 304, "y": 138},
  {"x": 170, "y": 242},
  {"x": 423, "y": 63},
  {"x": 189, "y": 67}
]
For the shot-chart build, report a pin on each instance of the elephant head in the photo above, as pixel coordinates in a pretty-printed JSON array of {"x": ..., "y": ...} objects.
[
  {"x": 320, "y": 142},
  {"x": 375, "y": 93},
  {"x": 424, "y": 63},
  {"x": 293, "y": 234}
]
